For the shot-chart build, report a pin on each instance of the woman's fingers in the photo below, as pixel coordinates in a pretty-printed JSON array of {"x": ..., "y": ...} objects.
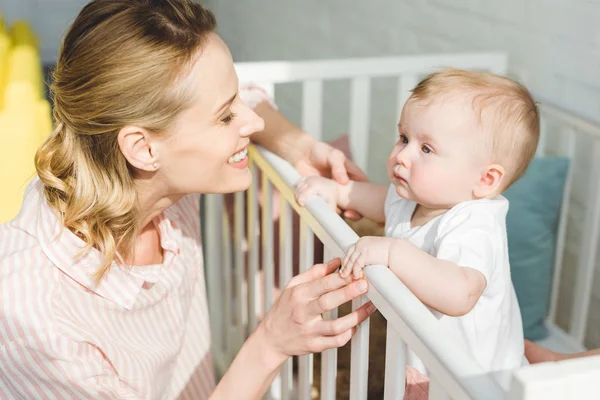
[
  {"x": 352, "y": 215},
  {"x": 338, "y": 326},
  {"x": 337, "y": 162},
  {"x": 354, "y": 172},
  {"x": 336, "y": 298},
  {"x": 315, "y": 272}
]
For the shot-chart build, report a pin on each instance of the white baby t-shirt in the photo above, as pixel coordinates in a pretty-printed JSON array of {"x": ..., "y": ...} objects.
[{"x": 471, "y": 234}]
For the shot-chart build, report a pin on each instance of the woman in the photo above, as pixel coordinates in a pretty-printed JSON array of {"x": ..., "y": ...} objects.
[{"x": 101, "y": 272}]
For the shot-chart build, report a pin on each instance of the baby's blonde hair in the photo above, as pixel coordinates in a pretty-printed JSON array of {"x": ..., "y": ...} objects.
[
  {"x": 121, "y": 63},
  {"x": 507, "y": 113}
]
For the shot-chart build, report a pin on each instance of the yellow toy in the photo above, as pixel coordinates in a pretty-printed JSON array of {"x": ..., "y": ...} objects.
[{"x": 24, "y": 114}]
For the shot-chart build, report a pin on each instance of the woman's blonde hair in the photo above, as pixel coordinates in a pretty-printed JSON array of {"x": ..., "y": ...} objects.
[{"x": 119, "y": 64}]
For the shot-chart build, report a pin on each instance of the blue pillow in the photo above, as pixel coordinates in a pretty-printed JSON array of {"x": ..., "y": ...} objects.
[{"x": 532, "y": 228}]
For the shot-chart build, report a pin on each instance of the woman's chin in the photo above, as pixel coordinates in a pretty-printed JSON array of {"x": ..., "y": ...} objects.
[{"x": 239, "y": 183}]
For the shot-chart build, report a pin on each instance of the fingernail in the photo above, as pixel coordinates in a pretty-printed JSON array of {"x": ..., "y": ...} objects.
[
  {"x": 371, "y": 308},
  {"x": 362, "y": 286}
]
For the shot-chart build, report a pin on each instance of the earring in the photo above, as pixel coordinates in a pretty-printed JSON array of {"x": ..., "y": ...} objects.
[{"x": 155, "y": 165}]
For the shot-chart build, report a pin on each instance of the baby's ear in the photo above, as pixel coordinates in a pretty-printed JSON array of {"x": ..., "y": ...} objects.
[{"x": 489, "y": 184}]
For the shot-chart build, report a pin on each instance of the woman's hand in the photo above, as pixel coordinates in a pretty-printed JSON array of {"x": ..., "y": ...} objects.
[
  {"x": 295, "y": 326},
  {"x": 315, "y": 158}
]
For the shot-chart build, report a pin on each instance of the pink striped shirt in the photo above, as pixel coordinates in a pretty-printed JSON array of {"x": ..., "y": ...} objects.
[{"x": 142, "y": 333}]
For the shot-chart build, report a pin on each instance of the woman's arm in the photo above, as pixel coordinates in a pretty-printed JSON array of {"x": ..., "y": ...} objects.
[
  {"x": 294, "y": 326},
  {"x": 537, "y": 354},
  {"x": 309, "y": 156}
]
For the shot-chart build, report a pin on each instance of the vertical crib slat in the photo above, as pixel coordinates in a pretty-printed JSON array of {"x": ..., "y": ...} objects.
[
  {"x": 226, "y": 284},
  {"x": 305, "y": 363},
  {"x": 253, "y": 231},
  {"x": 329, "y": 357},
  {"x": 406, "y": 83},
  {"x": 312, "y": 101},
  {"x": 587, "y": 257},
  {"x": 541, "y": 148},
  {"x": 562, "y": 225},
  {"x": 268, "y": 87},
  {"x": 359, "y": 357},
  {"x": 436, "y": 392},
  {"x": 395, "y": 365},
  {"x": 267, "y": 242},
  {"x": 360, "y": 101},
  {"x": 214, "y": 210},
  {"x": 240, "y": 309},
  {"x": 285, "y": 275}
]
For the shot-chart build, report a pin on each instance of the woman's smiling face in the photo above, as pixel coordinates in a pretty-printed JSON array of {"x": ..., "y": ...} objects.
[{"x": 205, "y": 150}]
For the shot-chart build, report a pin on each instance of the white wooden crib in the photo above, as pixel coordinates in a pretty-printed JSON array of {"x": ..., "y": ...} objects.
[{"x": 234, "y": 293}]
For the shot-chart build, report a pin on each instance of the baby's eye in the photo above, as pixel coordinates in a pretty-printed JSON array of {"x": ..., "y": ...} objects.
[
  {"x": 403, "y": 139},
  {"x": 426, "y": 149},
  {"x": 227, "y": 119}
]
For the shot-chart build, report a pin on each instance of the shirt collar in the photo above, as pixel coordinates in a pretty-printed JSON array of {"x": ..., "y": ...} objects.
[{"x": 61, "y": 247}]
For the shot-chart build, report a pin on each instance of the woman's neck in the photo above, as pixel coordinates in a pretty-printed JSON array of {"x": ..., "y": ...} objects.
[{"x": 153, "y": 199}]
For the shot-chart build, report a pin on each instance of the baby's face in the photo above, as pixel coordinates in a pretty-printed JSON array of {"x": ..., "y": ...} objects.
[{"x": 440, "y": 155}]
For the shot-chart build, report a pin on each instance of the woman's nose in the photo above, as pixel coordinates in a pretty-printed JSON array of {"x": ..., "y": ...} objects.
[{"x": 254, "y": 124}]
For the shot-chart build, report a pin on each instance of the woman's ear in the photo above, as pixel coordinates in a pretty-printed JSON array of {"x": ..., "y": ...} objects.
[
  {"x": 489, "y": 184},
  {"x": 137, "y": 147}
]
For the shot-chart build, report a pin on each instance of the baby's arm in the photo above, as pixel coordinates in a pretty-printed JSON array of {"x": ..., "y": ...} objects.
[
  {"x": 363, "y": 197},
  {"x": 442, "y": 285}
]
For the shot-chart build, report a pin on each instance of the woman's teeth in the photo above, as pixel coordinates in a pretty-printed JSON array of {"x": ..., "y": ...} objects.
[{"x": 237, "y": 157}]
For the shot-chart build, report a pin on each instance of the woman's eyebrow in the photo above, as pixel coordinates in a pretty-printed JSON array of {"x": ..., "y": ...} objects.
[{"x": 226, "y": 104}]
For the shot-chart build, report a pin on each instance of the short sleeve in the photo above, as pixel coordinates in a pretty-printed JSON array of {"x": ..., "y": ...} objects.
[
  {"x": 468, "y": 239},
  {"x": 253, "y": 95},
  {"x": 59, "y": 368}
]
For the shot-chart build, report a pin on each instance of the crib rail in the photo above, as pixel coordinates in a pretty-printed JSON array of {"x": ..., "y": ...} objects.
[
  {"x": 240, "y": 290},
  {"x": 453, "y": 371},
  {"x": 578, "y": 139}
]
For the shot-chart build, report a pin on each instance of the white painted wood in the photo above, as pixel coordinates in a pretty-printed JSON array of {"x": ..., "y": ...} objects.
[
  {"x": 395, "y": 366},
  {"x": 240, "y": 287},
  {"x": 329, "y": 357},
  {"x": 226, "y": 286},
  {"x": 541, "y": 148},
  {"x": 360, "y": 103},
  {"x": 267, "y": 243},
  {"x": 562, "y": 227},
  {"x": 305, "y": 363},
  {"x": 312, "y": 112},
  {"x": 568, "y": 380},
  {"x": 285, "y": 276},
  {"x": 253, "y": 243},
  {"x": 294, "y": 71},
  {"x": 212, "y": 221},
  {"x": 587, "y": 259},
  {"x": 268, "y": 87},
  {"x": 359, "y": 356},
  {"x": 436, "y": 392}
]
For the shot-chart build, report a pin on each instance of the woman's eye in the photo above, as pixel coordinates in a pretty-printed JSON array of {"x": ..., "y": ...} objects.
[
  {"x": 227, "y": 119},
  {"x": 426, "y": 149}
]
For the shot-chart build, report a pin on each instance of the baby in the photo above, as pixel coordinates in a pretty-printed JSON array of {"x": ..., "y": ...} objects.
[{"x": 463, "y": 138}]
